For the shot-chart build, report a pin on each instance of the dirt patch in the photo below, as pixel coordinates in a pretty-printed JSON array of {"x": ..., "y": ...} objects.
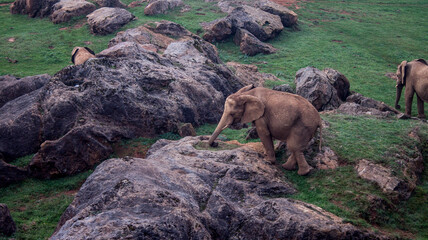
[
  {"x": 131, "y": 150},
  {"x": 337, "y": 41},
  {"x": 76, "y": 26},
  {"x": 391, "y": 75}
]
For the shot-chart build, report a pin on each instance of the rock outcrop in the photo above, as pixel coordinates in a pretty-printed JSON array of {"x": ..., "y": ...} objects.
[
  {"x": 179, "y": 192},
  {"x": 249, "y": 74},
  {"x": 315, "y": 86},
  {"x": 12, "y": 87},
  {"x": 107, "y": 20},
  {"x": 33, "y": 8},
  {"x": 339, "y": 82},
  {"x": 64, "y": 10},
  {"x": 250, "y": 45},
  {"x": 125, "y": 92},
  {"x": 7, "y": 225},
  {"x": 288, "y": 17},
  {"x": 161, "y": 6},
  {"x": 217, "y": 30},
  {"x": 261, "y": 24}
]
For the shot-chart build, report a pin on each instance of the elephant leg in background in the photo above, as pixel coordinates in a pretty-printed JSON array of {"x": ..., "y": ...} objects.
[
  {"x": 408, "y": 97},
  {"x": 266, "y": 138},
  {"x": 291, "y": 163},
  {"x": 420, "y": 107},
  {"x": 297, "y": 142},
  {"x": 304, "y": 167}
]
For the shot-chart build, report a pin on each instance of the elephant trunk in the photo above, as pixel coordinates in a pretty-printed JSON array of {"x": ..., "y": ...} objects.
[
  {"x": 225, "y": 121},
  {"x": 397, "y": 98}
]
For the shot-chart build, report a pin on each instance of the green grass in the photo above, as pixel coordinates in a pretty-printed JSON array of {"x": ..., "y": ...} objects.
[
  {"x": 37, "y": 205},
  {"x": 363, "y": 40},
  {"x": 22, "y": 161}
]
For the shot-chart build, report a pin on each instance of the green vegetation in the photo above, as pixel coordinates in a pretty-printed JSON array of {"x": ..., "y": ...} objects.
[
  {"x": 364, "y": 40},
  {"x": 22, "y": 161},
  {"x": 37, "y": 205}
]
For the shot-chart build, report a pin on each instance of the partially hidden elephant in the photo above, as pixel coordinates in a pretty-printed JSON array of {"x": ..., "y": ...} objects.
[
  {"x": 414, "y": 76},
  {"x": 277, "y": 115},
  {"x": 80, "y": 55}
]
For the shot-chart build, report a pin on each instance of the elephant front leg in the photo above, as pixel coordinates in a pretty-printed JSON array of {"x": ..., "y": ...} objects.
[
  {"x": 420, "y": 103},
  {"x": 291, "y": 163},
  {"x": 266, "y": 138},
  {"x": 409, "y": 99}
]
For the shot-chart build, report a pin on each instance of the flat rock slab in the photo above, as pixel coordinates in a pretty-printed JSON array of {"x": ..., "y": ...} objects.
[
  {"x": 107, "y": 20},
  {"x": 64, "y": 10},
  {"x": 180, "y": 192}
]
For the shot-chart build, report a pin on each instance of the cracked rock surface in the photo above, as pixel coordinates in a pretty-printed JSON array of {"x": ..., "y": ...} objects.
[{"x": 180, "y": 192}]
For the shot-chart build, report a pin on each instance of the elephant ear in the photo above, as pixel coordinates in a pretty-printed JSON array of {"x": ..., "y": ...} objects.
[
  {"x": 90, "y": 50},
  {"x": 402, "y": 68},
  {"x": 253, "y": 108},
  {"x": 74, "y": 55},
  {"x": 244, "y": 89}
]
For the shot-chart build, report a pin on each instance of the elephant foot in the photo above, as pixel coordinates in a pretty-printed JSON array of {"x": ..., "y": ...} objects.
[
  {"x": 289, "y": 165},
  {"x": 272, "y": 160},
  {"x": 422, "y": 116},
  {"x": 304, "y": 171}
]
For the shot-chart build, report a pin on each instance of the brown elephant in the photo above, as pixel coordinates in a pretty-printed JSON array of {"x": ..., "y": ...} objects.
[
  {"x": 413, "y": 75},
  {"x": 79, "y": 55},
  {"x": 277, "y": 115}
]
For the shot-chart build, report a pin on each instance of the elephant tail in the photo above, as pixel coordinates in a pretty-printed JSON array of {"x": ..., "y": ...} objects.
[{"x": 320, "y": 145}]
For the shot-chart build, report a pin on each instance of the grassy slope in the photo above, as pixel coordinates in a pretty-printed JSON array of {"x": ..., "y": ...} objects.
[{"x": 362, "y": 39}]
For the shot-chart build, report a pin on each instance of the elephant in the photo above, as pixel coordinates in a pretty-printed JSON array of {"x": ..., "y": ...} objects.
[
  {"x": 413, "y": 75},
  {"x": 277, "y": 115},
  {"x": 79, "y": 55}
]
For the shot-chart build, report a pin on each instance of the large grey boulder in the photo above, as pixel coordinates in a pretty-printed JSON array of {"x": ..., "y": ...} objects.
[
  {"x": 218, "y": 30},
  {"x": 315, "y": 86},
  {"x": 107, "y": 20},
  {"x": 12, "y": 87},
  {"x": 64, "y": 10},
  {"x": 20, "y": 125},
  {"x": 180, "y": 192},
  {"x": 250, "y": 45},
  {"x": 7, "y": 225},
  {"x": 126, "y": 92},
  {"x": 288, "y": 17},
  {"x": 161, "y": 6},
  {"x": 261, "y": 24},
  {"x": 33, "y": 8},
  {"x": 339, "y": 82}
]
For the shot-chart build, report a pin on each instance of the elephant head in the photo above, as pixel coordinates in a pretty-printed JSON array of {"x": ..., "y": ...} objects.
[
  {"x": 239, "y": 108},
  {"x": 401, "y": 81}
]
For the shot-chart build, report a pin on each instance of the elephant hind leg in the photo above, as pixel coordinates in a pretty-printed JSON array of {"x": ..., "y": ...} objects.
[
  {"x": 291, "y": 163},
  {"x": 296, "y": 144},
  {"x": 304, "y": 167},
  {"x": 420, "y": 104}
]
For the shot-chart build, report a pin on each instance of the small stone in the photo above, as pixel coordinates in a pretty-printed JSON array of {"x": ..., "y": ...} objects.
[{"x": 187, "y": 130}]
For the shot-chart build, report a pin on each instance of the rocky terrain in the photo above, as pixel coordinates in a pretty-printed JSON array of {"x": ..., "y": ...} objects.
[
  {"x": 158, "y": 78},
  {"x": 182, "y": 191}
]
